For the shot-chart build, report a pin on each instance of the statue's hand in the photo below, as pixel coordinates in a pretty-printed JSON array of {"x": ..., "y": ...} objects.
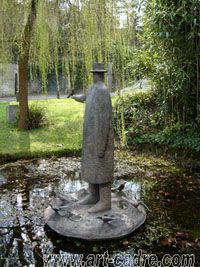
[
  {"x": 76, "y": 98},
  {"x": 79, "y": 98}
]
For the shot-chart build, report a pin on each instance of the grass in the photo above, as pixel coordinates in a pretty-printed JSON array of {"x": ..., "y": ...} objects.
[{"x": 62, "y": 136}]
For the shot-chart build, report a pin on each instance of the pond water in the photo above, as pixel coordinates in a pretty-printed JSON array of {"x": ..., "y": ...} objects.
[{"x": 173, "y": 218}]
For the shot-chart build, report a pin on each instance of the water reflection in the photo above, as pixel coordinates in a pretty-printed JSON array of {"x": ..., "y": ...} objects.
[
  {"x": 24, "y": 239},
  {"x": 3, "y": 180},
  {"x": 133, "y": 189}
]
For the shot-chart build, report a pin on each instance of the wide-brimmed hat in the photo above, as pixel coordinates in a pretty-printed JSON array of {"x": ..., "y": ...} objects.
[{"x": 98, "y": 67}]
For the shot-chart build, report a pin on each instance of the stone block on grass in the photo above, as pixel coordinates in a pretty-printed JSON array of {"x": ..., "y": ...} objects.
[{"x": 12, "y": 111}]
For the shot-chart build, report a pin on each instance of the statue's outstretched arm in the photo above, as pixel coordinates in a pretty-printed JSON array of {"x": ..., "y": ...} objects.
[{"x": 79, "y": 98}]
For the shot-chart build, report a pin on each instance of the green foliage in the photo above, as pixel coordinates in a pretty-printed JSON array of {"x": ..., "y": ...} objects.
[
  {"x": 177, "y": 136},
  {"x": 70, "y": 34},
  {"x": 141, "y": 114},
  {"x": 170, "y": 55},
  {"x": 93, "y": 34},
  {"x": 41, "y": 42},
  {"x": 37, "y": 117},
  {"x": 12, "y": 17},
  {"x": 145, "y": 122}
]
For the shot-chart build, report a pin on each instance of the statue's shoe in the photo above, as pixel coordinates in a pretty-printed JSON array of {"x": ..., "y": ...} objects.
[
  {"x": 100, "y": 207},
  {"x": 89, "y": 200}
]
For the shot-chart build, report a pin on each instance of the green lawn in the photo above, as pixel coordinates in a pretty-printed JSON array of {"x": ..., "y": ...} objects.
[{"x": 62, "y": 136}]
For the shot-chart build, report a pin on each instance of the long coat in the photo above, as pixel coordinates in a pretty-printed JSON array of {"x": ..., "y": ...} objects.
[{"x": 98, "y": 137}]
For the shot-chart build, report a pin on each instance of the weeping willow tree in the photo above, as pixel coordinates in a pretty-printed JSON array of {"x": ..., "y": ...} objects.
[
  {"x": 27, "y": 37},
  {"x": 93, "y": 33},
  {"x": 23, "y": 64},
  {"x": 30, "y": 38},
  {"x": 15, "y": 42},
  {"x": 46, "y": 41},
  {"x": 10, "y": 30},
  {"x": 48, "y": 35}
]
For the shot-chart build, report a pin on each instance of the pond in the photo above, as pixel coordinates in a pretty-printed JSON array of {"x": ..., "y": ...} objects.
[{"x": 171, "y": 194}]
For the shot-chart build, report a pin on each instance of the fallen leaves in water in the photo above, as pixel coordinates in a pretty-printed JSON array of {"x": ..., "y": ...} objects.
[{"x": 125, "y": 242}]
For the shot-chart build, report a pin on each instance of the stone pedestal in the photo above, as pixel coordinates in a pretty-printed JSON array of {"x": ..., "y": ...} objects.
[
  {"x": 12, "y": 111},
  {"x": 69, "y": 218}
]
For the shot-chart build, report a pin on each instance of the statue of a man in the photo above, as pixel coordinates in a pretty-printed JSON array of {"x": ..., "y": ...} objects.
[{"x": 98, "y": 143}]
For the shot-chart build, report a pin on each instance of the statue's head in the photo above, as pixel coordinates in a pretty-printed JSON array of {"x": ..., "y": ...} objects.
[{"x": 98, "y": 72}]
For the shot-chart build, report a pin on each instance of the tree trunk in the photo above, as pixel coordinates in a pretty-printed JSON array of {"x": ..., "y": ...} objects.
[
  {"x": 23, "y": 67},
  {"x": 23, "y": 92},
  {"x": 58, "y": 85},
  {"x": 58, "y": 92}
]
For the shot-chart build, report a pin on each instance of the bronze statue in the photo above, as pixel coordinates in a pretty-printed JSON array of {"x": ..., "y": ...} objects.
[
  {"x": 98, "y": 142},
  {"x": 88, "y": 214}
]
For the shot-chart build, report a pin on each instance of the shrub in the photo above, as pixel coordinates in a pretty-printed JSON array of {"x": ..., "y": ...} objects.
[
  {"x": 176, "y": 136},
  {"x": 36, "y": 117},
  {"x": 145, "y": 122},
  {"x": 141, "y": 114}
]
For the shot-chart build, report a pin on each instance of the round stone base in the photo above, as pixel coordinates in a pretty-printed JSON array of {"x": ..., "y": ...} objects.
[{"x": 69, "y": 218}]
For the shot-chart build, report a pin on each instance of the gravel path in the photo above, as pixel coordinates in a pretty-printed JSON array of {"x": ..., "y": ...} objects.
[{"x": 31, "y": 97}]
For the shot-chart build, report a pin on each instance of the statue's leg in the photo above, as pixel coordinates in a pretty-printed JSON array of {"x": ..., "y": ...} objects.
[
  {"x": 105, "y": 199},
  {"x": 93, "y": 196}
]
